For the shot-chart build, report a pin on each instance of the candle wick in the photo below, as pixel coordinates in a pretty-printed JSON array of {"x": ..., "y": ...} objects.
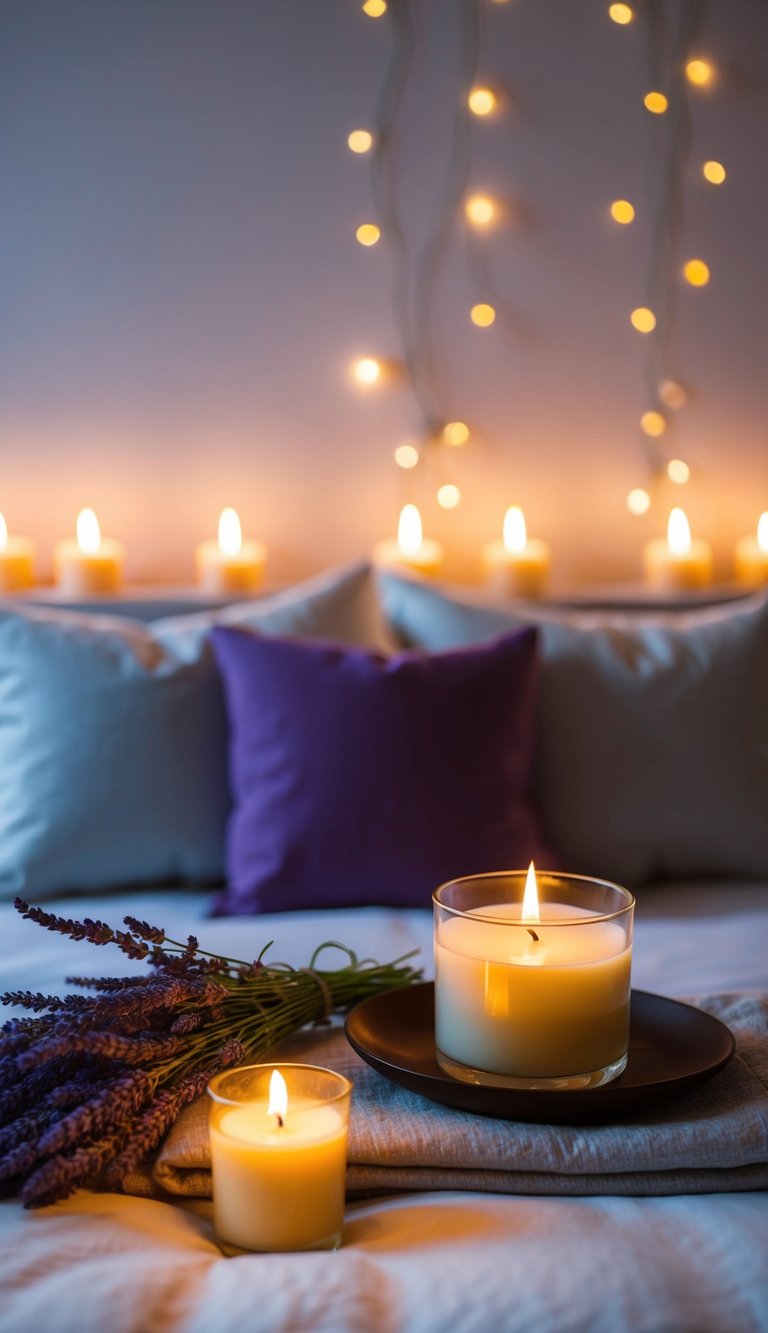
[
  {"x": 280, "y": 1121},
  {"x": 532, "y": 934}
]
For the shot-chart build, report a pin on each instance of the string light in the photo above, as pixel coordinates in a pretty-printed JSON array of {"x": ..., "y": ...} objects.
[
  {"x": 622, "y": 211},
  {"x": 638, "y": 501},
  {"x": 375, "y": 8},
  {"x": 455, "y": 433},
  {"x": 672, "y": 394},
  {"x": 643, "y": 319},
  {"x": 653, "y": 423},
  {"x": 621, "y": 14},
  {"x": 368, "y": 233},
  {"x": 699, "y": 72},
  {"x": 480, "y": 210},
  {"x": 448, "y": 496},
  {"x": 678, "y": 471},
  {"x": 656, "y": 103},
  {"x": 696, "y": 272},
  {"x": 367, "y": 370},
  {"x": 360, "y": 141},
  {"x": 481, "y": 101},
  {"x": 482, "y": 315},
  {"x": 406, "y": 456},
  {"x": 714, "y": 172}
]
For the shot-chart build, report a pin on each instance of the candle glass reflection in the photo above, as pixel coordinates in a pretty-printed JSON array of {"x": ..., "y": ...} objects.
[
  {"x": 532, "y": 999},
  {"x": 279, "y": 1175}
]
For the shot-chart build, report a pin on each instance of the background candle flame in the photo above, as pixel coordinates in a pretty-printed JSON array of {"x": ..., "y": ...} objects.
[
  {"x": 409, "y": 530},
  {"x": 515, "y": 534},
  {"x": 230, "y": 532},
  {"x": 3, "y": 533},
  {"x": 762, "y": 532},
  {"x": 531, "y": 897},
  {"x": 678, "y": 533},
  {"x": 88, "y": 532},
  {"x": 278, "y": 1095}
]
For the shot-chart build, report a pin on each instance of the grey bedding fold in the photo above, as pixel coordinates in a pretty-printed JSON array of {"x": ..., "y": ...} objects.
[{"x": 711, "y": 1139}]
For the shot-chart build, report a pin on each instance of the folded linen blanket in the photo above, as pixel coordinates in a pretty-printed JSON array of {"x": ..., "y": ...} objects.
[{"x": 713, "y": 1138}]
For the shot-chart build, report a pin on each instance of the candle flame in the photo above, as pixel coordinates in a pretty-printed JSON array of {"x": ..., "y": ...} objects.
[
  {"x": 762, "y": 532},
  {"x": 230, "y": 532},
  {"x": 515, "y": 534},
  {"x": 678, "y": 533},
  {"x": 3, "y": 533},
  {"x": 531, "y": 897},
  {"x": 88, "y": 532},
  {"x": 409, "y": 530},
  {"x": 278, "y": 1096}
]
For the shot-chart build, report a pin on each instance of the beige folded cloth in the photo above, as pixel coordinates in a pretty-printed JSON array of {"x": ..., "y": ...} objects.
[{"x": 713, "y": 1138}]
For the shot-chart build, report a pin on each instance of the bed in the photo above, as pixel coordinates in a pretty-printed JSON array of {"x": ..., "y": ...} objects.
[{"x": 416, "y": 1259}]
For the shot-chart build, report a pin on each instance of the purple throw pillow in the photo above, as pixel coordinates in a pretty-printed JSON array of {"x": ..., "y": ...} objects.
[{"x": 359, "y": 779}]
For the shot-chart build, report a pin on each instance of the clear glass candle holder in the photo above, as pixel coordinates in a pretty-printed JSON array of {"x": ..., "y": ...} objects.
[
  {"x": 532, "y": 1003},
  {"x": 279, "y": 1177}
]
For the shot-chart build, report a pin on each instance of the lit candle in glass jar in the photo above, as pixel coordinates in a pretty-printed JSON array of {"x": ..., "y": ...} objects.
[
  {"x": 678, "y": 562},
  {"x": 230, "y": 564},
  {"x": 752, "y": 555},
  {"x": 89, "y": 564},
  {"x": 17, "y": 557},
  {"x": 411, "y": 550},
  {"x": 518, "y": 565}
]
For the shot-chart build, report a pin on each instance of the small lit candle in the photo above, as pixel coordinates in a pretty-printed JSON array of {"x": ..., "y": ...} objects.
[
  {"x": 677, "y": 562},
  {"x": 530, "y": 993},
  {"x": 17, "y": 558},
  {"x": 278, "y": 1156},
  {"x": 518, "y": 565},
  {"x": 230, "y": 564},
  {"x": 752, "y": 555},
  {"x": 410, "y": 550},
  {"x": 90, "y": 563}
]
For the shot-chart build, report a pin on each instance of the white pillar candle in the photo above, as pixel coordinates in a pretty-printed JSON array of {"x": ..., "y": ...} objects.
[
  {"x": 518, "y": 565},
  {"x": 752, "y": 555},
  {"x": 279, "y": 1160},
  {"x": 90, "y": 564},
  {"x": 410, "y": 550},
  {"x": 532, "y": 998},
  {"x": 17, "y": 558},
  {"x": 678, "y": 562},
  {"x": 230, "y": 564}
]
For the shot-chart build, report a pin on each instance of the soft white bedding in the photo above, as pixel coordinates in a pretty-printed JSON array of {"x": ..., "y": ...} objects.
[{"x": 419, "y": 1262}]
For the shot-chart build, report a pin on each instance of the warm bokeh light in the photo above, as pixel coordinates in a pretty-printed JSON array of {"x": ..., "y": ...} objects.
[
  {"x": 367, "y": 370},
  {"x": 481, "y": 101},
  {"x": 278, "y": 1095},
  {"x": 360, "y": 141},
  {"x": 762, "y": 531},
  {"x": 375, "y": 8},
  {"x": 514, "y": 533},
  {"x": 409, "y": 533},
  {"x": 678, "y": 471},
  {"x": 368, "y": 233},
  {"x": 678, "y": 533},
  {"x": 621, "y": 13},
  {"x": 656, "y": 103},
  {"x": 638, "y": 501},
  {"x": 699, "y": 72},
  {"x": 482, "y": 315},
  {"x": 696, "y": 272},
  {"x": 455, "y": 433},
  {"x": 3, "y": 533},
  {"x": 530, "y": 909},
  {"x": 653, "y": 423},
  {"x": 672, "y": 394},
  {"x": 480, "y": 210},
  {"x": 643, "y": 319},
  {"x": 88, "y": 532},
  {"x": 448, "y": 496},
  {"x": 230, "y": 532},
  {"x": 406, "y": 456},
  {"x": 622, "y": 211},
  {"x": 714, "y": 172}
]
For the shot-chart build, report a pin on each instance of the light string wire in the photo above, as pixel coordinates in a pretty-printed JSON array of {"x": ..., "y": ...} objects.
[{"x": 672, "y": 138}]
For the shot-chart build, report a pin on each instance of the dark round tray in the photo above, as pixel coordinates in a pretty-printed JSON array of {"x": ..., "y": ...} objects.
[{"x": 672, "y": 1047}]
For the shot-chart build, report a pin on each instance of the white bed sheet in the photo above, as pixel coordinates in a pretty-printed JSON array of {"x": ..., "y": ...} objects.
[{"x": 417, "y": 1263}]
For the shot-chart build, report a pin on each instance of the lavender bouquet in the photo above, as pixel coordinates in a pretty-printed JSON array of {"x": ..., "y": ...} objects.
[{"x": 89, "y": 1084}]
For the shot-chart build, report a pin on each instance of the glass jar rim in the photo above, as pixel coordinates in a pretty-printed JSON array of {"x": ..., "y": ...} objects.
[
  {"x": 478, "y": 914},
  {"x": 215, "y": 1095}
]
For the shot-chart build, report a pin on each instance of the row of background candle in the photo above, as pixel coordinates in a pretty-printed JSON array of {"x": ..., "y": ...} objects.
[{"x": 517, "y": 565}]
